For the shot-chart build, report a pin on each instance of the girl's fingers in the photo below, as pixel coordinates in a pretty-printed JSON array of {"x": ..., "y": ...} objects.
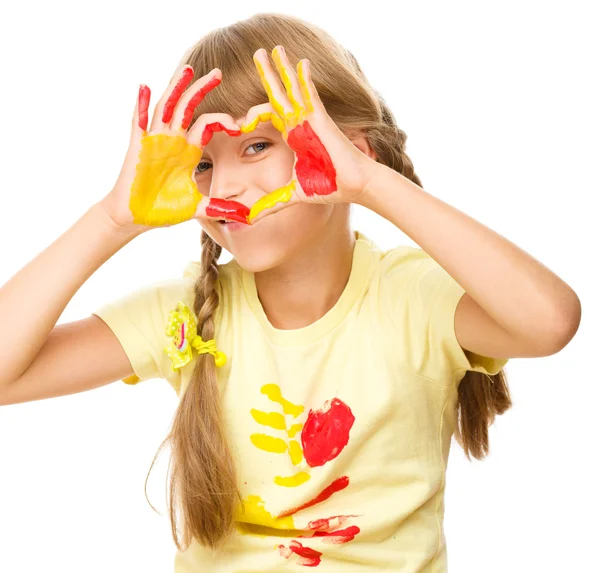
[
  {"x": 216, "y": 209},
  {"x": 201, "y": 132},
  {"x": 273, "y": 202},
  {"x": 290, "y": 80},
  {"x": 163, "y": 111},
  {"x": 270, "y": 81},
  {"x": 192, "y": 98},
  {"x": 310, "y": 94},
  {"x": 262, "y": 113},
  {"x": 140, "y": 117}
]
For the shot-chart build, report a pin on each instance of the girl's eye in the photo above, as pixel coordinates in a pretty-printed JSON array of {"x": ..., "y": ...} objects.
[{"x": 264, "y": 145}]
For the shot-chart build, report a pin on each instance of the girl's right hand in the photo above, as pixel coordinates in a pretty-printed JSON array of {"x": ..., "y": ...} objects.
[{"x": 156, "y": 185}]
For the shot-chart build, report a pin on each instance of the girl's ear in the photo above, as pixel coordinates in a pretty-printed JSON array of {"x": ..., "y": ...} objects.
[{"x": 361, "y": 142}]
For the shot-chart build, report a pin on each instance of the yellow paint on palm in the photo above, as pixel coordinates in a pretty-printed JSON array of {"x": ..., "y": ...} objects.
[
  {"x": 269, "y": 443},
  {"x": 254, "y": 513},
  {"x": 293, "y": 481},
  {"x": 273, "y": 392},
  {"x": 295, "y": 452},
  {"x": 272, "y": 419},
  {"x": 163, "y": 191},
  {"x": 281, "y": 195}
]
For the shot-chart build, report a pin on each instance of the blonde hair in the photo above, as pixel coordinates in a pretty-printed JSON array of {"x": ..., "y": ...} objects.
[{"x": 204, "y": 479}]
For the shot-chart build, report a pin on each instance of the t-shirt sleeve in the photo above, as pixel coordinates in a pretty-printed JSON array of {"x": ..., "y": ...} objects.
[
  {"x": 139, "y": 320},
  {"x": 420, "y": 297}
]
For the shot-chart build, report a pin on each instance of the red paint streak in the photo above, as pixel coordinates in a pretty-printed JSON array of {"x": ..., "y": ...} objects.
[
  {"x": 182, "y": 335},
  {"x": 308, "y": 557},
  {"x": 211, "y": 128},
  {"x": 225, "y": 209},
  {"x": 335, "y": 486},
  {"x": 314, "y": 167},
  {"x": 323, "y": 524},
  {"x": 326, "y": 432},
  {"x": 183, "y": 82},
  {"x": 339, "y": 536},
  {"x": 196, "y": 101},
  {"x": 143, "y": 103}
]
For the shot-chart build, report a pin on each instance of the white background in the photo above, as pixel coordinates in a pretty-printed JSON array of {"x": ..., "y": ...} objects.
[{"x": 500, "y": 101}]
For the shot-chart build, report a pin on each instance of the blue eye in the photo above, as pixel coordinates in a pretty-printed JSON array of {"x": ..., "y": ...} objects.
[{"x": 265, "y": 145}]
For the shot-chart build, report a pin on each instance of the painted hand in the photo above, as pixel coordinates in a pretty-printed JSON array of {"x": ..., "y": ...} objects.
[
  {"x": 156, "y": 187},
  {"x": 328, "y": 167}
]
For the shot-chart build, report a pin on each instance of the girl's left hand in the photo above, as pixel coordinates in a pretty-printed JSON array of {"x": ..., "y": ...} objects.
[{"x": 328, "y": 167}]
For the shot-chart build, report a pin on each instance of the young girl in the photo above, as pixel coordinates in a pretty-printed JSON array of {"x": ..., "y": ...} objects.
[{"x": 320, "y": 379}]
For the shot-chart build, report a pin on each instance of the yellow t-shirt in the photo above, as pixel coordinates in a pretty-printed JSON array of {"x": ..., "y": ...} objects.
[{"x": 340, "y": 429}]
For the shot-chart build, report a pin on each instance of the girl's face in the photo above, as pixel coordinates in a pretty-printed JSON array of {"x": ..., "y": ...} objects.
[{"x": 244, "y": 169}]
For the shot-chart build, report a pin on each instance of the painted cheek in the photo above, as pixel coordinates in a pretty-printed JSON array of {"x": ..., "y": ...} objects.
[
  {"x": 163, "y": 191},
  {"x": 314, "y": 167},
  {"x": 231, "y": 210}
]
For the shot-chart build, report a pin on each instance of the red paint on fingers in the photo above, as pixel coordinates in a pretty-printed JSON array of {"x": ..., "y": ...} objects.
[
  {"x": 225, "y": 209},
  {"x": 196, "y": 100},
  {"x": 179, "y": 88},
  {"x": 143, "y": 103},
  {"x": 314, "y": 167},
  {"x": 213, "y": 128}
]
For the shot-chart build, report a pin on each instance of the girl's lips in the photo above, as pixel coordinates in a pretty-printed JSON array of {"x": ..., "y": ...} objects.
[{"x": 236, "y": 226}]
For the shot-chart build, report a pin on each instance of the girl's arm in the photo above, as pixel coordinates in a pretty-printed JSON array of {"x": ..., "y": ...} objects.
[
  {"x": 32, "y": 301},
  {"x": 514, "y": 305}
]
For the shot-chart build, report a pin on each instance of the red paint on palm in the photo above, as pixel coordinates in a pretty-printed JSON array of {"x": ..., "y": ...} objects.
[
  {"x": 335, "y": 486},
  {"x": 179, "y": 88},
  {"x": 196, "y": 100},
  {"x": 314, "y": 167},
  {"x": 326, "y": 432},
  {"x": 211, "y": 128},
  {"x": 143, "y": 103},
  {"x": 226, "y": 209}
]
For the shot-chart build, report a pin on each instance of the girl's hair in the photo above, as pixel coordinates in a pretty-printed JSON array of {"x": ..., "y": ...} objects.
[{"x": 204, "y": 481}]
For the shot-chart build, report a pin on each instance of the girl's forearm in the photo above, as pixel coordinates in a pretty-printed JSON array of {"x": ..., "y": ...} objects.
[
  {"x": 517, "y": 291},
  {"x": 32, "y": 301}
]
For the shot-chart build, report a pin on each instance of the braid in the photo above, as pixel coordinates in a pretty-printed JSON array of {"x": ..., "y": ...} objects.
[
  {"x": 206, "y": 299},
  {"x": 388, "y": 141},
  {"x": 205, "y": 475}
]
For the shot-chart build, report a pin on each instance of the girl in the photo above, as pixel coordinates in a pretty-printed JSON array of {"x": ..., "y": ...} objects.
[{"x": 320, "y": 379}]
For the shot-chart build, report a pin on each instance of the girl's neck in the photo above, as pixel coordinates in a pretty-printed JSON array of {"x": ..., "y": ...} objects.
[{"x": 304, "y": 288}]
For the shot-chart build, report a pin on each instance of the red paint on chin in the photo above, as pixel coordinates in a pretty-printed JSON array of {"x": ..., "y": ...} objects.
[
  {"x": 143, "y": 103},
  {"x": 326, "y": 432},
  {"x": 335, "y": 486},
  {"x": 196, "y": 101},
  {"x": 314, "y": 167},
  {"x": 182, "y": 84},
  {"x": 225, "y": 209},
  {"x": 211, "y": 128}
]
